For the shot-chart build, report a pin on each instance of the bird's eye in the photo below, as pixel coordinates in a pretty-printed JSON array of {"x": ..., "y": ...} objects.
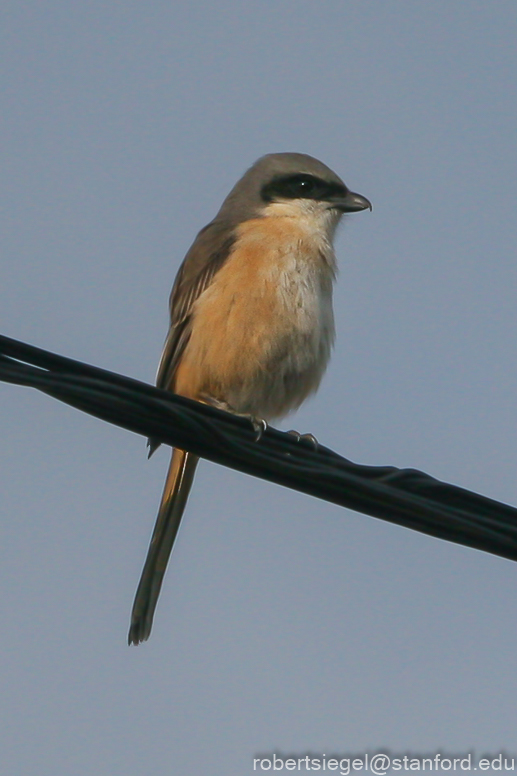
[
  {"x": 305, "y": 186},
  {"x": 294, "y": 187}
]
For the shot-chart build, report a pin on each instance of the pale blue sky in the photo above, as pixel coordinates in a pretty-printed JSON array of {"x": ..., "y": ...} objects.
[{"x": 285, "y": 624}]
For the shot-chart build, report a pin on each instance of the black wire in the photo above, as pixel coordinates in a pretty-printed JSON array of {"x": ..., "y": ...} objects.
[{"x": 404, "y": 496}]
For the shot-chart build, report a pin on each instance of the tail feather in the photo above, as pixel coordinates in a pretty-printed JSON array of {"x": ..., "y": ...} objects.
[{"x": 175, "y": 494}]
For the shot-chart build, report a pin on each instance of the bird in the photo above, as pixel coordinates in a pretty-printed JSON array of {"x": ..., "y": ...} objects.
[{"x": 251, "y": 320}]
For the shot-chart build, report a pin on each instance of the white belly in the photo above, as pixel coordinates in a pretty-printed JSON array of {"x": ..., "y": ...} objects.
[{"x": 303, "y": 338}]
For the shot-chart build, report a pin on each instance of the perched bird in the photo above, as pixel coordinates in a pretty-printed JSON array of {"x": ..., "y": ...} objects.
[{"x": 251, "y": 319}]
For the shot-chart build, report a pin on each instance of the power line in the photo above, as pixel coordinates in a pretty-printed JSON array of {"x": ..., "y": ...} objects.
[{"x": 406, "y": 497}]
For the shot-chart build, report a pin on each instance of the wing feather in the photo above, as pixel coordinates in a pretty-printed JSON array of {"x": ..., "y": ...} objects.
[{"x": 207, "y": 255}]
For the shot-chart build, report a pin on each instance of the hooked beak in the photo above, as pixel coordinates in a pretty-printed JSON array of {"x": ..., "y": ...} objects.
[{"x": 351, "y": 203}]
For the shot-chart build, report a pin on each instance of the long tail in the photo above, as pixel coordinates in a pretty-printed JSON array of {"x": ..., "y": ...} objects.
[{"x": 175, "y": 493}]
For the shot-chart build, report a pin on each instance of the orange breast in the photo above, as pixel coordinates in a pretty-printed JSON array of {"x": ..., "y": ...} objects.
[{"x": 259, "y": 320}]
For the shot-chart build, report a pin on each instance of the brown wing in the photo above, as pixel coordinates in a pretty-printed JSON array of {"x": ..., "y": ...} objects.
[
  {"x": 208, "y": 253},
  {"x": 206, "y": 256}
]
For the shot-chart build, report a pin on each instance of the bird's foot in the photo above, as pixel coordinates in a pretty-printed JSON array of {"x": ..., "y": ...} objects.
[
  {"x": 259, "y": 424},
  {"x": 308, "y": 438}
]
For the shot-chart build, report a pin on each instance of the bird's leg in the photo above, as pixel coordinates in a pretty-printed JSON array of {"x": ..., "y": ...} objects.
[{"x": 259, "y": 424}]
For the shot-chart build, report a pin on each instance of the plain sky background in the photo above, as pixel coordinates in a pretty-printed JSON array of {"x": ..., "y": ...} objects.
[{"x": 285, "y": 624}]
